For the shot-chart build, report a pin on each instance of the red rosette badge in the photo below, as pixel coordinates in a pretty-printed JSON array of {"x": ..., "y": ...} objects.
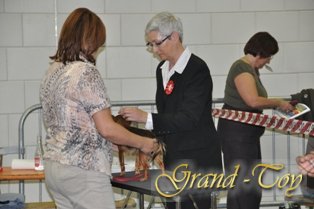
[{"x": 169, "y": 88}]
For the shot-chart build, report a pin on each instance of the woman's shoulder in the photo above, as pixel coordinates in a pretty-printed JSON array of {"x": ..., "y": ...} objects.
[
  {"x": 82, "y": 68},
  {"x": 197, "y": 64},
  {"x": 197, "y": 59},
  {"x": 81, "y": 65},
  {"x": 239, "y": 66}
]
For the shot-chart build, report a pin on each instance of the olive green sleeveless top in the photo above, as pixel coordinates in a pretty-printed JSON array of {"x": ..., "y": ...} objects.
[{"x": 232, "y": 96}]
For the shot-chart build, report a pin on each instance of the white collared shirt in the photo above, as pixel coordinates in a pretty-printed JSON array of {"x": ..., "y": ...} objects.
[
  {"x": 167, "y": 73},
  {"x": 178, "y": 67}
]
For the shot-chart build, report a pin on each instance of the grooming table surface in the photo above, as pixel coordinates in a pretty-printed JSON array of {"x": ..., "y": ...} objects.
[
  {"x": 145, "y": 187},
  {"x": 142, "y": 187}
]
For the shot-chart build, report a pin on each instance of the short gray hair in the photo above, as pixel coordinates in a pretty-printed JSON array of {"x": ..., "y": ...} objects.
[{"x": 165, "y": 23}]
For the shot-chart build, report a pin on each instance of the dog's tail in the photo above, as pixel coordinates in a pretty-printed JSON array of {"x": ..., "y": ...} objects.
[{"x": 161, "y": 149}]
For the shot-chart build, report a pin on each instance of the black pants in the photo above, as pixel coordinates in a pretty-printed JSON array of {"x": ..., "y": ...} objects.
[
  {"x": 241, "y": 146},
  {"x": 187, "y": 203},
  {"x": 198, "y": 162}
]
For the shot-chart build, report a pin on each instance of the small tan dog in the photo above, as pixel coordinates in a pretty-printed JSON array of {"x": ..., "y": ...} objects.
[{"x": 142, "y": 162}]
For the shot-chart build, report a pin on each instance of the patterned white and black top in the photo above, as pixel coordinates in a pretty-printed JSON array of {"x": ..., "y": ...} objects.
[{"x": 70, "y": 94}]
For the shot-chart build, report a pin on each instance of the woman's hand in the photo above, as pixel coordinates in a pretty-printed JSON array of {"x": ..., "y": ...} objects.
[
  {"x": 133, "y": 114},
  {"x": 306, "y": 164},
  {"x": 285, "y": 106},
  {"x": 149, "y": 146}
]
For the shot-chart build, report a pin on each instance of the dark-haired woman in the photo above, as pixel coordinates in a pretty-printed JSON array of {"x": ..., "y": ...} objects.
[
  {"x": 241, "y": 142},
  {"x": 77, "y": 117}
]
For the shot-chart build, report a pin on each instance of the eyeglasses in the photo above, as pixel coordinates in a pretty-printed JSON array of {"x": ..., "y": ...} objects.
[{"x": 151, "y": 45}]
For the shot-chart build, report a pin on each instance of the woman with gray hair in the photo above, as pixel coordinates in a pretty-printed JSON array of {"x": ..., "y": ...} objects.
[{"x": 183, "y": 99}]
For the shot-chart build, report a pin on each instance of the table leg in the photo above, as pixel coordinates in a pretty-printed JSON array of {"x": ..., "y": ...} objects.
[
  {"x": 178, "y": 204},
  {"x": 141, "y": 200},
  {"x": 151, "y": 202},
  {"x": 125, "y": 203},
  {"x": 213, "y": 196}
]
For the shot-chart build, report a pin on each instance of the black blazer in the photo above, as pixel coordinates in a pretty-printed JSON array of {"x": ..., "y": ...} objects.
[{"x": 184, "y": 119}]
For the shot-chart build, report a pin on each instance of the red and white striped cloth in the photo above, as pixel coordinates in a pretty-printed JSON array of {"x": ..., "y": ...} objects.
[{"x": 267, "y": 121}]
